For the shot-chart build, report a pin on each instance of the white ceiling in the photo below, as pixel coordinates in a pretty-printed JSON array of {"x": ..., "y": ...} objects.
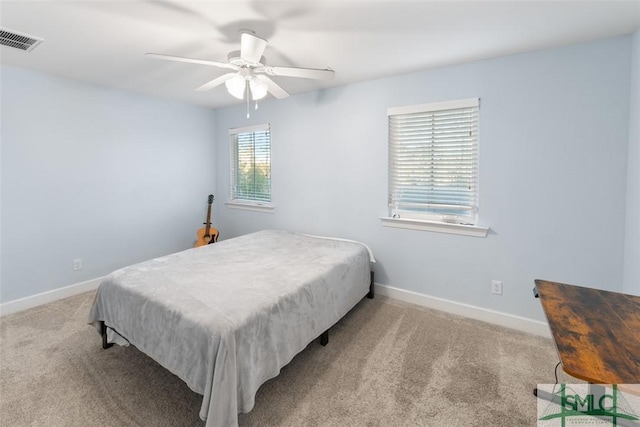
[{"x": 104, "y": 42}]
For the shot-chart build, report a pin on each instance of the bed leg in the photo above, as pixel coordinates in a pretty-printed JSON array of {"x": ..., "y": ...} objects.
[
  {"x": 370, "y": 294},
  {"x": 103, "y": 331},
  {"x": 324, "y": 338}
]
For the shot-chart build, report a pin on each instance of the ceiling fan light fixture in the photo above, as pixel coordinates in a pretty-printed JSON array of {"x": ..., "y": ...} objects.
[
  {"x": 258, "y": 88},
  {"x": 236, "y": 86}
]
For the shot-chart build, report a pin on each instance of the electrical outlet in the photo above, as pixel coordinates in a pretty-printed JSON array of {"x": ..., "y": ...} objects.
[
  {"x": 496, "y": 287},
  {"x": 77, "y": 264}
]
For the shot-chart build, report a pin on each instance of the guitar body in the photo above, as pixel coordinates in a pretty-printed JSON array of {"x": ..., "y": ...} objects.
[
  {"x": 203, "y": 239},
  {"x": 207, "y": 234}
]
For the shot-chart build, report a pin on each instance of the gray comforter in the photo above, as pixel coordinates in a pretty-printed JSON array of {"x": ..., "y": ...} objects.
[{"x": 228, "y": 316}]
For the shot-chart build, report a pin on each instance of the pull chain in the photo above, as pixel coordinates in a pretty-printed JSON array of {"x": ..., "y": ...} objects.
[{"x": 246, "y": 91}]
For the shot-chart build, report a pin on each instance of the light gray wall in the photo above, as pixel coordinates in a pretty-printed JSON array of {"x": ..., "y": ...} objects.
[
  {"x": 554, "y": 129},
  {"x": 111, "y": 177},
  {"x": 632, "y": 234}
]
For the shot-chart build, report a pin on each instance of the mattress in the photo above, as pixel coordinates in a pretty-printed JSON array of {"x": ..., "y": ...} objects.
[{"x": 227, "y": 317}]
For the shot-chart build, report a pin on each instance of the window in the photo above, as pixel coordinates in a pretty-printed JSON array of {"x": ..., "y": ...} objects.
[
  {"x": 251, "y": 164},
  {"x": 433, "y": 162}
]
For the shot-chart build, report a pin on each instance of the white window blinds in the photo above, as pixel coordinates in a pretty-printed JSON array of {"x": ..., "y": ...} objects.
[
  {"x": 251, "y": 163},
  {"x": 433, "y": 161}
]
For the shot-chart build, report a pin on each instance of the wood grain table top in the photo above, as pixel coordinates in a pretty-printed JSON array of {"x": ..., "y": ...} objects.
[{"x": 596, "y": 332}]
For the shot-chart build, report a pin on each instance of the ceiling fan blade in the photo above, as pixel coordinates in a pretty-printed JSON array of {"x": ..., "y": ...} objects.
[
  {"x": 272, "y": 87},
  {"x": 305, "y": 73},
  {"x": 192, "y": 60},
  {"x": 252, "y": 47},
  {"x": 216, "y": 82}
]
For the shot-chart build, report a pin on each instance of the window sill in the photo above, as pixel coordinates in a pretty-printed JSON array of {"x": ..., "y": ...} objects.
[
  {"x": 440, "y": 227},
  {"x": 248, "y": 206}
]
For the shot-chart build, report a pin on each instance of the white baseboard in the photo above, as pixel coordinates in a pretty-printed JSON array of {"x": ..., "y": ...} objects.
[
  {"x": 490, "y": 316},
  {"x": 49, "y": 296},
  {"x": 524, "y": 324}
]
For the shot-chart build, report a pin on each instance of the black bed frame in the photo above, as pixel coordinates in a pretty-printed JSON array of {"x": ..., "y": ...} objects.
[{"x": 324, "y": 337}]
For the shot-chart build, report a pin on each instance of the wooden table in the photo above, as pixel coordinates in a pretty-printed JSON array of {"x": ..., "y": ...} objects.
[{"x": 597, "y": 333}]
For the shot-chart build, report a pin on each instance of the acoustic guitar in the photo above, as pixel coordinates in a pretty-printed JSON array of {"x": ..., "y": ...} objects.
[{"x": 207, "y": 234}]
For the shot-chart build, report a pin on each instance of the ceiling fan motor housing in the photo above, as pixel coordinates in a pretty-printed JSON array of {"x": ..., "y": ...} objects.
[{"x": 235, "y": 59}]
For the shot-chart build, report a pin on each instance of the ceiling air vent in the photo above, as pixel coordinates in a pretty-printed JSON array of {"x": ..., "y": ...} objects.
[{"x": 18, "y": 40}]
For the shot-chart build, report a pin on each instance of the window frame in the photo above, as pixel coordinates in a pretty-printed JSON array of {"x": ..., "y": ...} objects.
[
  {"x": 427, "y": 218},
  {"x": 248, "y": 203}
]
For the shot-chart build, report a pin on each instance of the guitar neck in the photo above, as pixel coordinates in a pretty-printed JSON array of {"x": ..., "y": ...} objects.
[{"x": 207, "y": 228}]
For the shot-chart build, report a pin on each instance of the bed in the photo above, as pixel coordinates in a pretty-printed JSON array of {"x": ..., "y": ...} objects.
[{"x": 227, "y": 317}]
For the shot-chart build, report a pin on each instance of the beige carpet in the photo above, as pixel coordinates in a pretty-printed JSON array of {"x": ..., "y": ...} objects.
[{"x": 387, "y": 364}]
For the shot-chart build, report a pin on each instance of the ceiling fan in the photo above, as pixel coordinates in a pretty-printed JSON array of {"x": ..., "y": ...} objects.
[{"x": 250, "y": 75}]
